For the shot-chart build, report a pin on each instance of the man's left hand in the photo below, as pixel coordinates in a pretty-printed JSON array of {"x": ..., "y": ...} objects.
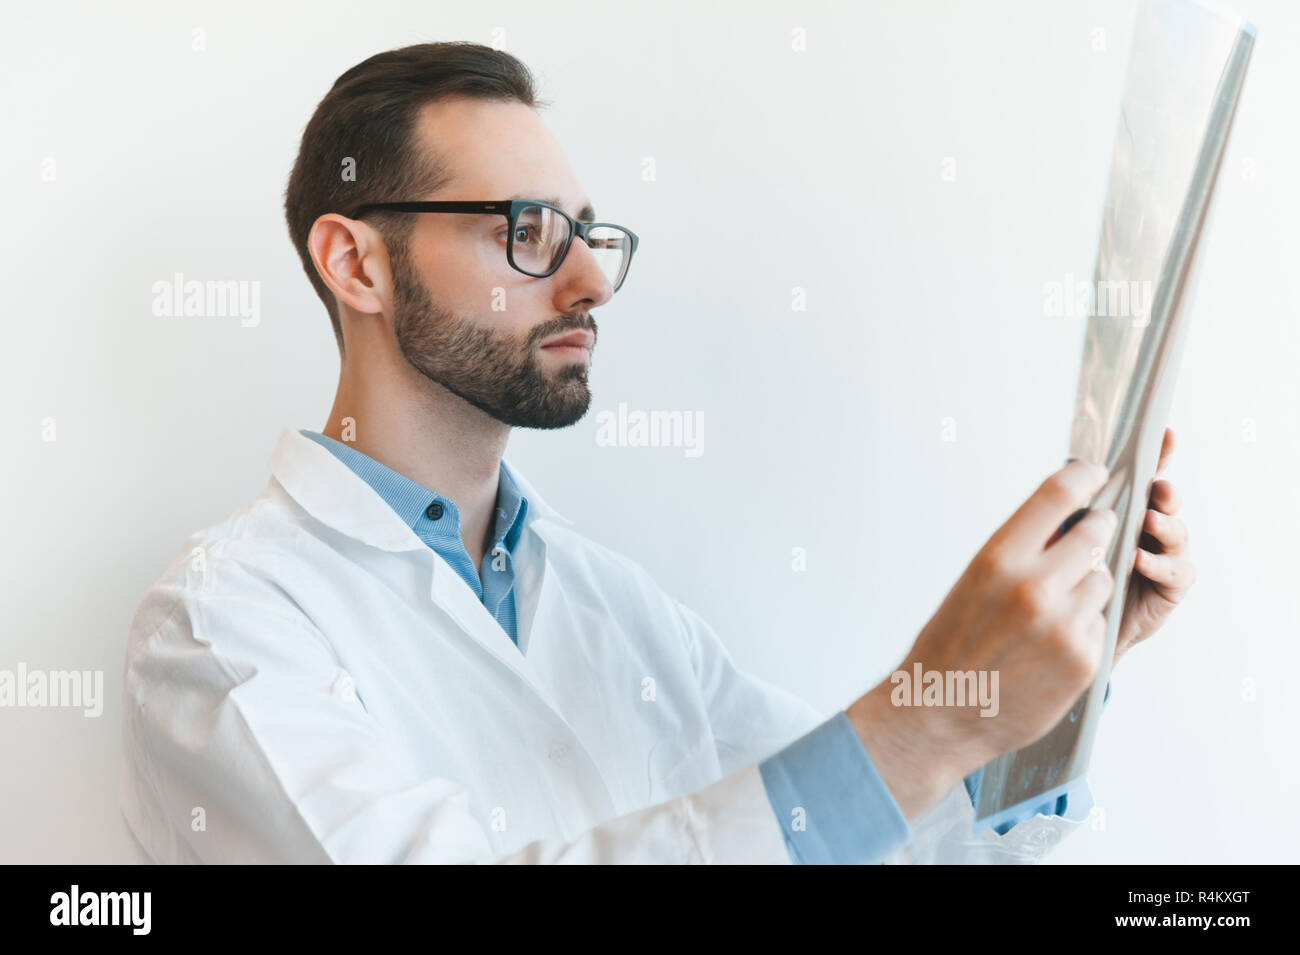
[{"x": 1162, "y": 570}]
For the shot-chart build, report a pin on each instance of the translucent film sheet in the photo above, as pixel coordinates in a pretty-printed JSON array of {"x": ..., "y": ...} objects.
[{"x": 1187, "y": 63}]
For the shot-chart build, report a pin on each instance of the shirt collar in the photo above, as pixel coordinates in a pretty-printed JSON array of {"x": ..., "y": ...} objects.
[
  {"x": 403, "y": 495},
  {"x": 332, "y": 492},
  {"x": 512, "y": 511},
  {"x": 411, "y": 499}
]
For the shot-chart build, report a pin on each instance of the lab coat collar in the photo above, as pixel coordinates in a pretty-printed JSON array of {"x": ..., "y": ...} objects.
[{"x": 336, "y": 496}]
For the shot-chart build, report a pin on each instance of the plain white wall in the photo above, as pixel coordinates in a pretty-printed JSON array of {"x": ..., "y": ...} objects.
[{"x": 774, "y": 169}]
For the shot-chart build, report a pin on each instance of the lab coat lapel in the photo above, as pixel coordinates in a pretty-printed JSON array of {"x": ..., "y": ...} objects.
[
  {"x": 332, "y": 493},
  {"x": 530, "y": 579},
  {"x": 453, "y": 596}
]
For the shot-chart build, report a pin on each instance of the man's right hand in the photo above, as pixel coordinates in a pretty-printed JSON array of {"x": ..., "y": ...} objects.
[{"x": 1030, "y": 606}]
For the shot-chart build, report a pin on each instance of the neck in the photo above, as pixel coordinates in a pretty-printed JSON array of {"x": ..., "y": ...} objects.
[{"x": 424, "y": 432}]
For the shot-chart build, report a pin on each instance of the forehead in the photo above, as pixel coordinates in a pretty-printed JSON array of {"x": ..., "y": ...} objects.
[{"x": 499, "y": 151}]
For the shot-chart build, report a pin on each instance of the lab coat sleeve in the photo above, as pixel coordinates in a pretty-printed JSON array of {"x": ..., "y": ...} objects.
[
  {"x": 752, "y": 719},
  {"x": 241, "y": 748}
]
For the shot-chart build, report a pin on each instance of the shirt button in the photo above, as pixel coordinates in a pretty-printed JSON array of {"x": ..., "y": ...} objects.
[
  {"x": 433, "y": 511},
  {"x": 557, "y": 751}
]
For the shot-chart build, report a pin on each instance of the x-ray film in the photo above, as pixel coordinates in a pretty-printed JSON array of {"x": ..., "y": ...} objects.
[{"x": 1187, "y": 62}]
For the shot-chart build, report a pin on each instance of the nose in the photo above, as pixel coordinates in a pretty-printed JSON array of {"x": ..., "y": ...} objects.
[{"x": 582, "y": 279}]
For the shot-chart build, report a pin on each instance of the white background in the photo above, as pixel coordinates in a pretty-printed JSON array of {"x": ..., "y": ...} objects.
[{"x": 774, "y": 169}]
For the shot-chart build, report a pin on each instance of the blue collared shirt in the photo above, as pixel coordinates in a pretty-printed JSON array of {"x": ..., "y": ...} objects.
[{"x": 436, "y": 521}]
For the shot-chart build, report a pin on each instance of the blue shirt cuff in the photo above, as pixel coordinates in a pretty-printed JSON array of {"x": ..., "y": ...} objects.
[{"x": 832, "y": 805}]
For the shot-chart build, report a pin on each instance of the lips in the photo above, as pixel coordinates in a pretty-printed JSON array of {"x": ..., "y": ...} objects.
[{"x": 578, "y": 339}]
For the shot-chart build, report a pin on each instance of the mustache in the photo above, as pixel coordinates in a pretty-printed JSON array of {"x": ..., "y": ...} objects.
[{"x": 580, "y": 321}]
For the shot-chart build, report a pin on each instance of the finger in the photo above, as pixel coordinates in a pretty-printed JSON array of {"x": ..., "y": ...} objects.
[
  {"x": 1166, "y": 449},
  {"x": 1093, "y": 593},
  {"x": 1091, "y": 632},
  {"x": 1170, "y": 574},
  {"x": 1168, "y": 531},
  {"x": 1164, "y": 497},
  {"x": 1033, "y": 524},
  {"x": 1081, "y": 550}
]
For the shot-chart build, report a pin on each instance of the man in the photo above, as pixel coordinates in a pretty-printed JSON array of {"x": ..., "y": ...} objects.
[{"x": 400, "y": 653}]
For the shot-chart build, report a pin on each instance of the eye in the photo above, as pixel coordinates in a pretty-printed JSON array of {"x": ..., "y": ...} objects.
[{"x": 523, "y": 233}]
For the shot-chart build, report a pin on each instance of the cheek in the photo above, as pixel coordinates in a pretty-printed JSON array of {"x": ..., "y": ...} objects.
[
  {"x": 470, "y": 275},
  {"x": 459, "y": 261},
  {"x": 484, "y": 279},
  {"x": 516, "y": 309}
]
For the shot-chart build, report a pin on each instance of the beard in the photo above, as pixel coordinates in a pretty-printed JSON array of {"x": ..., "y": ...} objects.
[{"x": 494, "y": 371}]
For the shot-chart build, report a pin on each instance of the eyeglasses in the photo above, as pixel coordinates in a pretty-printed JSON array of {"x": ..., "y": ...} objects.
[{"x": 540, "y": 234}]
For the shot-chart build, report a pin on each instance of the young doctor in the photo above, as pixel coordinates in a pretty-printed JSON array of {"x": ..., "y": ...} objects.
[{"x": 400, "y": 653}]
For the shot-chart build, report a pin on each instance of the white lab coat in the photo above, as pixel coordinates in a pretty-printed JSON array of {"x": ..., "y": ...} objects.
[{"x": 310, "y": 682}]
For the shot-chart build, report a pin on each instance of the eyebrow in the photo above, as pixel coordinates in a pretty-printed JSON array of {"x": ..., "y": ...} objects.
[{"x": 585, "y": 214}]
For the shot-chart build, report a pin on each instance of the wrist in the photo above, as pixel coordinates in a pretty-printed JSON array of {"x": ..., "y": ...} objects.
[{"x": 912, "y": 752}]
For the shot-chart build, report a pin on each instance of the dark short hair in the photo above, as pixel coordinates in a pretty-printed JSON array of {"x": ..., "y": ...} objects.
[{"x": 369, "y": 117}]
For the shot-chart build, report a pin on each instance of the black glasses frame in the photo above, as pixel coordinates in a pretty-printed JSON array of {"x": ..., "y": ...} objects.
[{"x": 511, "y": 208}]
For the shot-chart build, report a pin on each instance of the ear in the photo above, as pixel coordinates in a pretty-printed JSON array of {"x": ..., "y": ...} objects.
[{"x": 352, "y": 261}]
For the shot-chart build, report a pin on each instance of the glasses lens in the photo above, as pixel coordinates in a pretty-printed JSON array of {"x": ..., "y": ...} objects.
[
  {"x": 540, "y": 238},
  {"x": 541, "y": 235},
  {"x": 612, "y": 248}
]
